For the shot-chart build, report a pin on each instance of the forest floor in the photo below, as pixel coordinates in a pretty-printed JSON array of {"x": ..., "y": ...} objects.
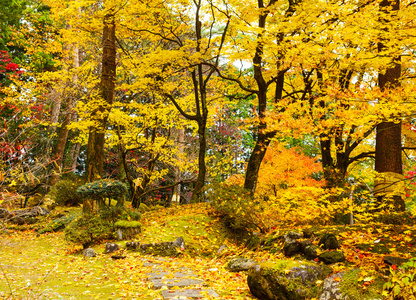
[{"x": 45, "y": 267}]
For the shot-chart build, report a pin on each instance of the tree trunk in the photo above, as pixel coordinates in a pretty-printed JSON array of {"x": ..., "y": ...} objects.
[
  {"x": 96, "y": 137},
  {"x": 69, "y": 104},
  {"x": 388, "y": 136},
  {"x": 197, "y": 195},
  {"x": 177, "y": 188}
]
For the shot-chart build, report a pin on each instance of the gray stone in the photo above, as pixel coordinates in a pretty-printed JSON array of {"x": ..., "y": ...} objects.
[
  {"x": 133, "y": 246},
  {"x": 89, "y": 252},
  {"x": 303, "y": 244},
  {"x": 164, "y": 274},
  {"x": 172, "y": 282},
  {"x": 188, "y": 294},
  {"x": 239, "y": 264},
  {"x": 293, "y": 235},
  {"x": 179, "y": 243},
  {"x": 164, "y": 248},
  {"x": 331, "y": 288},
  {"x": 111, "y": 247},
  {"x": 222, "y": 249},
  {"x": 331, "y": 257}
]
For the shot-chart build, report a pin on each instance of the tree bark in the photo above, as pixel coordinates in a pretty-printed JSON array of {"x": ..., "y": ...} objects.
[
  {"x": 388, "y": 136},
  {"x": 263, "y": 137},
  {"x": 197, "y": 195},
  {"x": 68, "y": 104},
  {"x": 96, "y": 137}
]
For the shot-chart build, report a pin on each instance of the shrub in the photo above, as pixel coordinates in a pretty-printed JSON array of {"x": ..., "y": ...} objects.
[
  {"x": 114, "y": 213},
  {"x": 88, "y": 229},
  {"x": 234, "y": 205},
  {"x": 64, "y": 193},
  {"x": 60, "y": 223},
  {"x": 402, "y": 283},
  {"x": 293, "y": 206},
  {"x": 102, "y": 189}
]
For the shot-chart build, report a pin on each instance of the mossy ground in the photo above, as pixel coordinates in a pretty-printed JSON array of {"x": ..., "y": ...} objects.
[
  {"x": 46, "y": 267},
  {"x": 353, "y": 285}
]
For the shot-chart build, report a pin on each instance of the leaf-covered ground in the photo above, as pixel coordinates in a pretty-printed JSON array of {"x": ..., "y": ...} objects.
[{"x": 45, "y": 267}]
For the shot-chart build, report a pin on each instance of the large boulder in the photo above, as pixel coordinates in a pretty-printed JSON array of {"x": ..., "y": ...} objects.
[{"x": 284, "y": 280}]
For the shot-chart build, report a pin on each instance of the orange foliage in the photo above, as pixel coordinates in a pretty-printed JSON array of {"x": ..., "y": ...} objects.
[{"x": 284, "y": 168}]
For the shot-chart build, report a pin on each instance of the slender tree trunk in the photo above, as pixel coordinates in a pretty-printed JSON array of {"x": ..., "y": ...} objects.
[
  {"x": 388, "y": 136},
  {"x": 96, "y": 137},
  {"x": 75, "y": 150},
  {"x": 178, "y": 178},
  {"x": 69, "y": 103},
  {"x": 61, "y": 144},
  {"x": 197, "y": 195}
]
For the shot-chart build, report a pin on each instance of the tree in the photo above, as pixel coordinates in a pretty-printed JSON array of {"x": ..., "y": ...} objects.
[
  {"x": 388, "y": 154},
  {"x": 185, "y": 51},
  {"x": 95, "y": 152}
]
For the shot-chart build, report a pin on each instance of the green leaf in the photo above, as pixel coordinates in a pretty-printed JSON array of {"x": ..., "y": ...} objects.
[{"x": 396, "y": 290}]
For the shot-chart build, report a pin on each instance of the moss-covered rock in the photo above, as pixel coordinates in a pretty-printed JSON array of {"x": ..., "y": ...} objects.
[
  {"x": 164, "y": 248},
  {"x": 60, "y": 223},
  {"x": 349, "y": 285},
  {"x": 311, "y": 251},
  {"x": 328, "y": 242},
  {"x": 331, "y": 257},
  {"x": 127, "y": 229},
  {"x": 143, "y": 208},
  {"x": 285, "y": 280}
]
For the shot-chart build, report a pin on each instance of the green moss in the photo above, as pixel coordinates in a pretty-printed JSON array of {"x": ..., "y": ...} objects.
[
  {"x": 143, "y": 208},
  {"x": 353, "y": 288},
  {"x": 282, "y": 266},
  {"x": 280, "y": 269},
  {"x": 127, "y": 224},
  {"x": 374, "y": 248},
  {"x": 60, "y": 223}
]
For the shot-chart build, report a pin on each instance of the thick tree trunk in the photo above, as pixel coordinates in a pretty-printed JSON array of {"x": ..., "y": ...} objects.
[
  {"x": 388, "y": 156},
  {"x": 96, "y": 137}
]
